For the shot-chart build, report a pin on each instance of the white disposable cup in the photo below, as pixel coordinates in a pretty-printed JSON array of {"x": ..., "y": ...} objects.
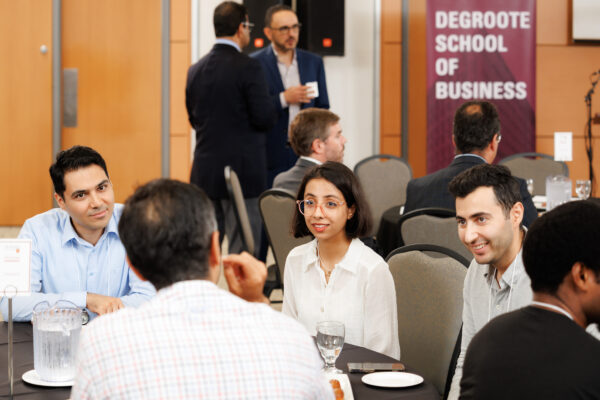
[{"x": 313, "y": 89}]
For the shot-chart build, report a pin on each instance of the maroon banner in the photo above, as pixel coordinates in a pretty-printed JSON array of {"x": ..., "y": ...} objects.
[{"x": 480, "y": 50}]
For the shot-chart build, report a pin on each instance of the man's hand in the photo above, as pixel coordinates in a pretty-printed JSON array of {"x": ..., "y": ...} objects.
[
  {"x": 245, "y": 276},
  {"x": 103, "y": 304},
  {"x": 297, "y": 94}
]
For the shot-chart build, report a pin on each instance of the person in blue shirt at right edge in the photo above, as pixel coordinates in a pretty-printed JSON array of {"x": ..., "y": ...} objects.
[
  {"x": 543, "y": 351},
  {"x": 77, "y": 255}
]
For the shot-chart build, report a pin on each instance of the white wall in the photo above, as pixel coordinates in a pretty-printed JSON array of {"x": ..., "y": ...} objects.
[{"x": 350, "y": 79}]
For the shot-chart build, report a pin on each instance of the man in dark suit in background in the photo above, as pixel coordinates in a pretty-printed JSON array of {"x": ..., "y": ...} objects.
[
  {"x": 288, "y": 70},
  {"x": 476, "y": 137},
  {"x": 316, "y": 137},
  {"x": 229, "y": 107}
]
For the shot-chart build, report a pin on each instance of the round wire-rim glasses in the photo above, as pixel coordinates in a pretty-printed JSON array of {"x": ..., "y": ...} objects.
[{"x": 308, "y": 207}]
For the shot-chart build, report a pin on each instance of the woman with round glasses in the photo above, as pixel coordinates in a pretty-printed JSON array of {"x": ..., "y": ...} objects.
[{"x": 335, "y": 276}]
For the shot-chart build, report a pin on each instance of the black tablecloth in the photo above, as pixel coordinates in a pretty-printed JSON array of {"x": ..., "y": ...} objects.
[
  {"x": 387, "y": 236},
  {"x": 351, "y": 353},
  {"x": 23, "y": 362}
]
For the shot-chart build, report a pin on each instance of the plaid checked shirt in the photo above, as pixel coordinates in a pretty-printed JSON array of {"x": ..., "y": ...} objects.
[{"x": 194, "y": 340}]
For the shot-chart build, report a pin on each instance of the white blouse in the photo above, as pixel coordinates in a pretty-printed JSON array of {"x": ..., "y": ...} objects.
[{"x": 360, "y": 293}]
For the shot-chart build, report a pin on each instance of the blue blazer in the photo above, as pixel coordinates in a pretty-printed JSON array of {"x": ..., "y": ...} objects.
[{"x": 280, "y": 156}]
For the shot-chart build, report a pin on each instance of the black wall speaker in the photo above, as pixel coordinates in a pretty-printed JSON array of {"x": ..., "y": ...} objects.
[
  {"x": 322, "y": 26},
  {"x": 256, "y": 13}
]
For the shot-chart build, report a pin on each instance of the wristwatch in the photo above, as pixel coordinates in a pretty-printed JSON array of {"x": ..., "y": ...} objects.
[{"x": 85, "y": 317}]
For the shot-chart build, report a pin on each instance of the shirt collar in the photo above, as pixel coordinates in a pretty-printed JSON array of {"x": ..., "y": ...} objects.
[
  {"x": 229, "y": 43},
  {"x": 275, "y": 52},
  {"x": 69, "y": 233},
  {"x": 349, "y": 262},
  {"x": 469, "y": 155},
  {"x": 516, "y": 268},
  {"x": 314, "y": 160}
]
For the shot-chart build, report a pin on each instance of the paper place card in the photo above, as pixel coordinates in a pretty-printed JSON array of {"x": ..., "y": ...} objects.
[
  {"x": 15, "y": 267},
  {"x": 563, "y": 146}
]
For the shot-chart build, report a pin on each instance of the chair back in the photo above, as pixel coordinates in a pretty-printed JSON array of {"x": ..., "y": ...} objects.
[
  {"x": 536, "y": 166},
  {"x": 239, "y": 210},
  {"x": 432, "y": 226},
  {"x": 430, "y": 302},
  {"x": 277, "y": 207},
  {"x": 384, "y": 178}
]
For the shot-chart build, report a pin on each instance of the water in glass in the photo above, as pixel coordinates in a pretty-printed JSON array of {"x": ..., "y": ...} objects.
[
  {"x": 530, "y": 186},
  {"x": 330, "y": 340},
  {"x": 583, "y": 188},
  {"x": 55, "y": 341}
]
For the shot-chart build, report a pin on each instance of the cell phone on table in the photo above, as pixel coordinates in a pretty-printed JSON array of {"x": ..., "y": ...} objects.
[{"x": 374, "y": 367}]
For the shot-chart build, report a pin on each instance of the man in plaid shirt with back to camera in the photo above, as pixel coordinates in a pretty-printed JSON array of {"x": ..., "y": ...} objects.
[{"x": 193, "y": 340}]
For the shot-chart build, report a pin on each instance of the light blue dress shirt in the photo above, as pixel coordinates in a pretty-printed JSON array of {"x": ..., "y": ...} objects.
[{"x": 66, "y": 267}]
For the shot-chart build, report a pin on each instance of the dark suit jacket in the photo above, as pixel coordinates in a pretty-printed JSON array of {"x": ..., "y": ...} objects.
[
  {"x": 280, "y": 157},
  {"x": 229, "y": 107},
  {"x": 432, "y": 190},
  {"x": 291, "y": 179}
]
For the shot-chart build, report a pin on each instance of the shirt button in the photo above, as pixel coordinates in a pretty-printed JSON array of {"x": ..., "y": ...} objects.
[
  {"x": 498, "y": 307},
  {"x": 322, "y": 309}
]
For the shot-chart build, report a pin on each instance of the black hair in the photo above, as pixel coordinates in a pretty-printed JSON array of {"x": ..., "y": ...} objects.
[
  {"x": 558, "y": 239},
  {"x": 166, "y": 228},
  {"x": 227, "y": 18},
  {"x": 475, "y": 124},
  {"x": 498, "y": 177},
  {"x": 275, "y": 9},
  {"x": 70, "y": 160},
  {"x": 347, "y": 183}
]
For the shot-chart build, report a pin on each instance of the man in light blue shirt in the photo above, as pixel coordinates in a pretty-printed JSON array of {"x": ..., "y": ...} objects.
[{"x": 76, "y": 251}]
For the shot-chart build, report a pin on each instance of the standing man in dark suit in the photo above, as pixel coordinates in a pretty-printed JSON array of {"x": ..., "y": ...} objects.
[
  {"x": 288, "y": 70},
  {"x": 228, "y": 105},
  {"x": 316, "y": 137},
  {"x": 476, "y": 137}
]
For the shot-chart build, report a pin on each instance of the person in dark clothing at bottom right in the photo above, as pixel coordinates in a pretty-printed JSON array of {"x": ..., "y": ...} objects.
[{"x": 543, "y": 351}]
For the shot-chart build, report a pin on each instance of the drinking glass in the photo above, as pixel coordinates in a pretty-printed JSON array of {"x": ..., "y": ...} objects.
[
  {"x": 56, "y": 332},
  {"x": 583, "y": 188},
  {"x": 330, "y": 340},
  {"x": 558, "y": 191},
  {"x": 530, "y": 186}
]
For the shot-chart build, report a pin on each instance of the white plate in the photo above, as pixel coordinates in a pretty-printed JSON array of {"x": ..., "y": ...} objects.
[
  {"x": 392, "y": 379},
  {"x": 33, "y": 378},
  {"x": 344, "y": 384}
]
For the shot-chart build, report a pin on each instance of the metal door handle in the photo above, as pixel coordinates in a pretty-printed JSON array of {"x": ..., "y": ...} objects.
[{"x": 70, "y": 77}]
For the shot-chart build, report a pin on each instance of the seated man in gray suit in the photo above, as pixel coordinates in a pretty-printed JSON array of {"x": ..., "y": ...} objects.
[
  {"x": 316, "y": 137},
  {"x": 476, "y": 137}
]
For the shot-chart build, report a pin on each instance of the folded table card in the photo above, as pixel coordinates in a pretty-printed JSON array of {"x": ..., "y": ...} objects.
[{"x": 15, "y": 267}]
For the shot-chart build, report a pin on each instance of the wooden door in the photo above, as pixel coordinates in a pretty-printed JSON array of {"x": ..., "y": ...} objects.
[
  {"x": 115, "y": 46},
  {"x": 25, "y": 109}
]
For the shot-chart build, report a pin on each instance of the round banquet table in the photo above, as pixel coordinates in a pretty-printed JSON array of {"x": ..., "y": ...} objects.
[
  {"x": 351, "y": 353},
  {"x": 23, "y": 362}
]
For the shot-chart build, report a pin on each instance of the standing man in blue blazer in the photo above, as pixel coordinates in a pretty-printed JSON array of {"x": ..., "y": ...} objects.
[{"x": 288, "y": 70}]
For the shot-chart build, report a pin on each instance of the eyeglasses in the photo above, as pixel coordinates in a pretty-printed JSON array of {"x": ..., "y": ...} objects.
[
  {"x": 248, "y": 25},
  {"x": 286, "y": 29},
  {"x": 308, "y": 207}
]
